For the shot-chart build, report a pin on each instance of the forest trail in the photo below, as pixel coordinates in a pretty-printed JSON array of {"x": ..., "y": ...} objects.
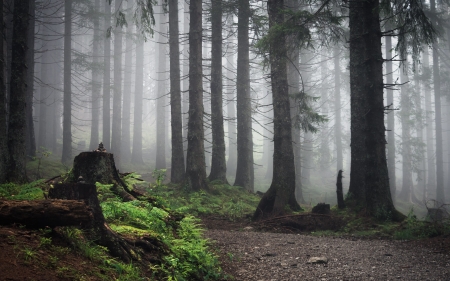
[{"x": 249, "y": 255}]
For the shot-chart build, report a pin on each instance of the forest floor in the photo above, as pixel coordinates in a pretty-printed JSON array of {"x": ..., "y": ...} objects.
[{"x": 249, "y": 254}]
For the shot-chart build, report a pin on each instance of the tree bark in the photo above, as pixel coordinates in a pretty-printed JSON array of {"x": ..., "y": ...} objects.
[
  {"x": 218, "y": 162},
  {"x": 30, "y": 137},
  {"x": 244, "y": 169},
  {"x": 67, "y": 111},
  {"x": 42, "y": 213},
  {"x": 431, "y": 167},
  {"x": 195, "y": 159},
  {"x": 337, "y": 108},
  {"x": 18, "y": 90},
  {"x": 231, "y": 105},
  {"x": 106, "y": 138},
  {"x": 177, "y": 166},
  {"x": 3, "y": 128},
  {"x": 282, "y": 190}
]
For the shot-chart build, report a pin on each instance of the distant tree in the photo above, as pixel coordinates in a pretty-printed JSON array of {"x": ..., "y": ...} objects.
[
  {"x": 136, "y": 156},
  {"x": 231, "y": 101},
  {"x": 195, "y": 159},
  {"x": 337, "y": 108},
  {"x": 30, "y": 137},
  {"x": 218, "y": 161},
  {"x": 18, "y": 90},
  {"x": 106, "y": 138},
  {"x": 177, "y": 163},
  {"x": 67, "y": 110},
  {"x": 244, "y": 169},
  {"x": 96, "y": 72}
]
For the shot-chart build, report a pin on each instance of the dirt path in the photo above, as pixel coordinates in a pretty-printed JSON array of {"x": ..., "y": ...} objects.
[{"x": 262, "y": 256}]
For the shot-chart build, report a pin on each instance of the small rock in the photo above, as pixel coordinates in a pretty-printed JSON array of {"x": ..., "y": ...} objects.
[
  {"x": 316, "y": 260},
  {"x": 248, "y": 228}
]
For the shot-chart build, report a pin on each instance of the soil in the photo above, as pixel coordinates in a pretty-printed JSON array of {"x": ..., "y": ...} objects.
[{"x": 249, "y": 254}]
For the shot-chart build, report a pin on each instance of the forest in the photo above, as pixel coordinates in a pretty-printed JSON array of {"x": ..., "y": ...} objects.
[{"x": 275, "y": 105}]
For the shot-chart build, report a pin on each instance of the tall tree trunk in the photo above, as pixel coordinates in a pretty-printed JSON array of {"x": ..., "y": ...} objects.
[
  {"x": 440, "y": 195},
  {"x": 3, "y": 127},
  {"x": 177, "y": 171},
  {"x": 67, "y": 111},
  {"x": 431, "y": 167},
  {"x": 231, "y": 105},
  {"x": 421, "y": 174},
  {"x": 324, "y": 145},
  {"x": 244, "y": 170},
  {"x": 117, "y": 91},
  {"x": 195, "y": 159},
  {"x": 127, "y": 90},
  {"x": 405, "y": 114},
  {"x": 136, "y": 156},
  {"x": 18, "y": 90},
  {"x": 282, "y": 190},
  {"x": 218, "y": 162},
  {"x": 30, "y": 137},
  {"x": 161, "y": 93},
  {"x": 185, "y": 75},
  {"x": 96, "y": 84},
  {"x": 107, "y": 82},
  {"x": 337, "y": 108},
  {"x": 390, "y": 115},
  {"x": 367, "y": 117}
]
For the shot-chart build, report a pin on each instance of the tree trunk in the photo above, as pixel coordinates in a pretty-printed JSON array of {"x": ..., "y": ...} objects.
[
  {"x": 282, "y": 190},
  {"x": 390, "y": 116},
  {"x": 431, "y": 167},
  {"x": 96, "y": 84},
  {"x": 185, "y": 76},
  {"x": 161, "y": 93},
  {"x": 324, "y": 144},
  {"x": 42, "y": 213},
  {"x": 367, "y": 117},
  {"x": 218, "y": 162},
  {"x": 117, "y": 90},
  {"x": 195, "y": 159},
  {"x": 231, "y": 105},
  {"x": 30, "y": 137},
  {"x": 337, "y": 108},
  {"x": 339, "y": 191},
  {"x": 106, "y": 138},
  {"x": 244, "y": 170},
  {"x": 67, "y": 111},
  {"x": 136, "y": 156},
  {"x": 440, "y": 194},
  {"x": 18, "y": 90},
  {"x": 177, "y": 166},
  {"x": 127, "y": 90},
  {"x": 3, "y": 128}
]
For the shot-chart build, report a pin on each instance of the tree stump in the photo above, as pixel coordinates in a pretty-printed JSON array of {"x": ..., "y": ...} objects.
[
  {"x": 321, "y": 208},
  {"x": 98, "y": 166}
]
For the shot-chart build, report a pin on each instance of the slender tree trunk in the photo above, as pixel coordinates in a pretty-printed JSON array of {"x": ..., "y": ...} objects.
[
  {"x": 96, "y": 84},
  {"x": 337, "y": 108},
  {"x": 324, "y": 145},
  {"x": 390, "y": 116},
  {"x": 244, "y": 170},
  {"x": 440, "y": 195},
  {"x": 67, "y": 111},
  {"x": 195, "y": 161},
  {"x": 161, "y": 94},
  {"x": 282, "y": 190},
  {"x": 185, "y": 75},
  {"x": 431, "y": 167},
  {"x": 177, "y": 171},
  {"x": 421, "y": 174},
  {"x": 107, "y": 82},
  {"x": 3, "y": 127},
  {"x": 218, "y": 162},
  {"x": 405, "y": 114},
  {"x": 18, "y": 90},
  {"x": 117, "y": 91},
  {"x": 127, "y": 90},
  {"x": 30, "y": 137},
  {"x": 136, "y": 156},
  {"x": 231, "y": 106}
]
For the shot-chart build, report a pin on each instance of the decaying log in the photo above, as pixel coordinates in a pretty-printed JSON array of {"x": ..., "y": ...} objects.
[{"x": 42, "y": 213}]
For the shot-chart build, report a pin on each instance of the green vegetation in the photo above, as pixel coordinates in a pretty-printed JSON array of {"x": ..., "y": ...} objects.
[{"x": 30, "y": 191}]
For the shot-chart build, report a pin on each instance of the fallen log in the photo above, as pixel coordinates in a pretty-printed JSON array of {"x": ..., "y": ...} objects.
[{"x": 42, "y": 213}]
